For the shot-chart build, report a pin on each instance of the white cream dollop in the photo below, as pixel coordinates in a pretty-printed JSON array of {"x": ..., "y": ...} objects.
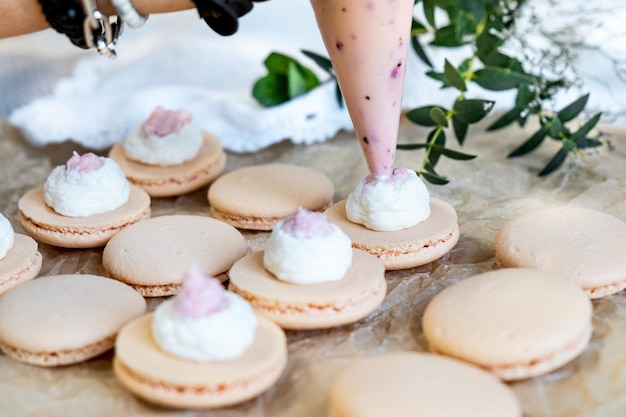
[
  {"x": 7, "y": 236},
  {"x": 308, "y": 249},
  {"x": 220, "y": 336},
  {"x": 84, "y": 192},
  {"x": 165, "y": 138},
  {"x": 171, "y": 149},
  {"x": 389, "y": 203},
  {"x": 204, "y": 322}
]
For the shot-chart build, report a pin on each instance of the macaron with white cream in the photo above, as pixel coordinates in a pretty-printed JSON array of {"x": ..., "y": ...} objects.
[
  {"x": 82, "y": 204},
  {"x": 309, "y": 276},
  {"x": 169, "y": 155}
]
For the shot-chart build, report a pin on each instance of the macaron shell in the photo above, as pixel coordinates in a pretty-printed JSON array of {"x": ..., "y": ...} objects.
[
  {"x": 21, "y": 263},
  {"x": 514, "y": 322},
  {"x": 311, "y": 306},
  {"x": 159, "y": 377},
  {"x": 47, "y": 226},
  {"x": 173, "y": 180},
  {"x": 256, "y": 197},
  {"x": 414, "y": 246},
  {"x": 154, "y": 255},
  {"x": 405, "y": 384},
  {"x": 63, "y": 319},
  {"x": 584, "y": 245}
]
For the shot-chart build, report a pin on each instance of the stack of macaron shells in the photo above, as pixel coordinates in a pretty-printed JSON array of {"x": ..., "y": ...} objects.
[
  {"x": 257, "y": 197},
  {"x": 20, "y": 259},
  {"x": 152, "y": 256},
  {"x": 51, "y": 320},
  {"x": 171, "y": 174},
  {"x": 292, "y": 283}
]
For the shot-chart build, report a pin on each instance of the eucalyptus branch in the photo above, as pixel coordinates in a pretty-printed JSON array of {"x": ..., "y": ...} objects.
[{"x": 485, "y": 25}]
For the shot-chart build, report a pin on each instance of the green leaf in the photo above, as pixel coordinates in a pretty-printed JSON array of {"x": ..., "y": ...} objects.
[
  {"x": 296, "y": 83},
  {"x": 460, "y": 129},
  {"x": 270, "y": 90},
  {"x": 498, "y": 79},
  {"x": 573, "y": 109},
  {"x": 472, "y": 111},
  {"x": 525, "y": 96},
  {"x": 502, "y": 61},
  {"x": 434, "y": 178},
  {"x": 320, "y": 60},
  {"x": 421, "y": 116},
  {"x": 430, "y": 175},
  {"x": 439, "y": 116},
  {"x": 418, "y": 28},
  {"x": 504, "y": 120},
  {"x": 585, "y": 143},
  {"x": 438, "y": 76},
  {"x": 429, "y": 12},
  {"x": 277, "y": 63},
  {"x": 453, "y": 76},
  {"x": 554, "y": 163},
  {"x": 586, "y": 128},
  {"x": 556, "y": 128},
  {"x": 338, "y": 96},
  {"x": 286, "y": 79},
  {"x": 411, "y": 146},
  {"x": 531, "y": 143},
  {"x": 447, "y": 37},
  {"x": 487, "y": 43},
  {"x": 419, "y": 51},
  {"x": 452, "y": 154}
]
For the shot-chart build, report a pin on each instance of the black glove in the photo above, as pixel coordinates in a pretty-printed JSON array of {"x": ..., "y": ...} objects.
[{"x": 222, "y": 15}]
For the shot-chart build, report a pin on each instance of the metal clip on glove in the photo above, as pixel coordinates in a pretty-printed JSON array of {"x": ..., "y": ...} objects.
[{"x": 222, "y": 15}]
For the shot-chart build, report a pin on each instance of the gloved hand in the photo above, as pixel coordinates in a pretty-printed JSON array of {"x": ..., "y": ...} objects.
[{"x": 222, "y": 15}]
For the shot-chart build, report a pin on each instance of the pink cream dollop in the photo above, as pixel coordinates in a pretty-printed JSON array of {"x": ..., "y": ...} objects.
[
  {"x": 164, "y": 122},
  {"x": 86, "y": 163},
  {"x": 307, "y": 224},
  {"x": 200, "y": 295}
]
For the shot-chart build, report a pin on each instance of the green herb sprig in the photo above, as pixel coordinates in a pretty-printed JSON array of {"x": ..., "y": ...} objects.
[
  {"x": 287, "y": 78},
  {"x": 485, "y": 25}
]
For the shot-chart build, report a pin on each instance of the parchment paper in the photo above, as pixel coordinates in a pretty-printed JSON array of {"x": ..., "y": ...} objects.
[{"x": 485, "y": 192}]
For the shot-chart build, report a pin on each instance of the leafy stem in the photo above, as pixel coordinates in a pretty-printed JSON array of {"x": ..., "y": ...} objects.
[{"x": 484, "y": 25}]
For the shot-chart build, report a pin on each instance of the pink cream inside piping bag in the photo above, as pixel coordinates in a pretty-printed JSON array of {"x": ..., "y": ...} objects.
[
  {"x": 307, "y": 224},
  {"x": 86, "y": 163},
  {"x": 164, "y": 122},
  {"x": 367, "y": 42},
  {"x": 200, "y": 295}
]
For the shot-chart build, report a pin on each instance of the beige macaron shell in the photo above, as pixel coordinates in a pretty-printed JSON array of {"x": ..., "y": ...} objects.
[
  {"x": 514, "y": 322},
  {"x": 172, "y": 180},
  {"x": 47, "y": 226},
  {"x": 21, "y": 263},
  {"x": 584, "y": 245},
  {"x": 406, "y": 248},
  {"x": 417, "y": 384},
  {"x": 311, "y": 306},
  {"x": 162, "y": 378},
  {"x": 52, "y": 319},
  {"x": 158, "y": 251},
  {"x": 256, "y": 197}
]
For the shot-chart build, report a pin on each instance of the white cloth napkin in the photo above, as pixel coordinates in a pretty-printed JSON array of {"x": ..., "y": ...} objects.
[{"x": 210, "y": 77}]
